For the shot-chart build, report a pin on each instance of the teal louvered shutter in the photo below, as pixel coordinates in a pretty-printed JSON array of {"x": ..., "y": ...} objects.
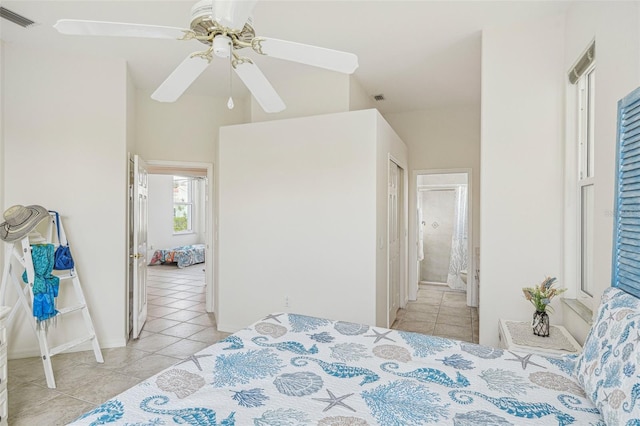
[{"x": 626, "y": 250}]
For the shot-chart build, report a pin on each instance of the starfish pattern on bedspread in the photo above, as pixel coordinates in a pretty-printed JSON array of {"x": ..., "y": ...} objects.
[
  {"x": 524, "y": 360},
  {"x": 335, "y": 400},
  {"x": 194, "y": 358},
  {"x": 273, "y": 317},
  {"x": 379, "y": 336}
]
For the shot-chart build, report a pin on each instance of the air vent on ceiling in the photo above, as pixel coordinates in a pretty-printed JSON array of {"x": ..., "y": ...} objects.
[
  {"x": 379, "y": 97},
  {"x": 15, "y": 18}
]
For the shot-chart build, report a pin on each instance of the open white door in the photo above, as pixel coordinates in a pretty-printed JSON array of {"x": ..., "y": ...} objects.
[
  {"x": 394, "y": 243},
  {"x": 140, "y": 213}
]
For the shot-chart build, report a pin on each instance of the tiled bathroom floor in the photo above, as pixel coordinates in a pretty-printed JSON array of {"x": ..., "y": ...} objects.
[
  {"x": 440, "y": 311},
  {"x": 176, "y": 327}
]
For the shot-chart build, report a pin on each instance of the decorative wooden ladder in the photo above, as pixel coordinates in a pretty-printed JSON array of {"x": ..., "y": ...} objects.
[{"x": 21, "y": 250}]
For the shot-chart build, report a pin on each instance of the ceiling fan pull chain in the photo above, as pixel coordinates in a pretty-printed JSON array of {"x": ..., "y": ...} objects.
[{"x": 230, "y": 101}]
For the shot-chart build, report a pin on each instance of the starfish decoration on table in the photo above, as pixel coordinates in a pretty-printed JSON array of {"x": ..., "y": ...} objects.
[
  {"x": 273, "y": 317},
  {"x": 379, "y": 336},
  {"x": 524, "y": 360},
  {"x": 335, "y": 400},
  {"x": 194, "y": 358}
]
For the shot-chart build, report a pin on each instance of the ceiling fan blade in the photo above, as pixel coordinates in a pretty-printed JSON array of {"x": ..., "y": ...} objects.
[
  {"x": 321, "y": 57},
  {"x": 259, "y": 86},
  {"x": 233, "y": 14},
  {"x": 180, "y": 79},
  {"x": 117, "y": 29}
]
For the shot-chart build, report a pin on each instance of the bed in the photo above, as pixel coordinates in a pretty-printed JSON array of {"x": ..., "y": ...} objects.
[
  {"x": 182, "y": 256},
  {"x": 289, "y": 369}
]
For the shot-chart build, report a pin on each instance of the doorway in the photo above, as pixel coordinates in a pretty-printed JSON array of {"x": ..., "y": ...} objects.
[
  {"x": 443, "y": 228},
  {"x": 195, "y": 229}
]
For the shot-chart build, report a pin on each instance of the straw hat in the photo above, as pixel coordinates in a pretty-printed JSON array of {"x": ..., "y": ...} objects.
[{"x": 20, "y": 220}]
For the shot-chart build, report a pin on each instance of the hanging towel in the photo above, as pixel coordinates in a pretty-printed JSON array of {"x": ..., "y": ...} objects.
[{"x": 45, "y": 284}]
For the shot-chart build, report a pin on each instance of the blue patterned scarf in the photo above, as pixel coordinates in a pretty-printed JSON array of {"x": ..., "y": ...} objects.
[{"x": 45, "y": 284}]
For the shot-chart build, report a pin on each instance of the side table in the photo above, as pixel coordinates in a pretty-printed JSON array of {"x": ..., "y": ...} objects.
[{"x": 518, "y": 336}]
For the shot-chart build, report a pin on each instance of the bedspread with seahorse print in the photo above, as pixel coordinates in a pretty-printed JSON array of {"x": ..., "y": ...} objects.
[{"x": 291, "y": 369}]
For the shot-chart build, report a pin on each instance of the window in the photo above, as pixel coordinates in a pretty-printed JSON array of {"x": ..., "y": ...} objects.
[
  {"x": 583, "y": 76},
  {"x": 182, "y": 204}
]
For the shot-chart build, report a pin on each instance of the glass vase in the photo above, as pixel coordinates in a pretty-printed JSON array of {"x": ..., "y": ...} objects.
[{"x": 540, "y": 324}]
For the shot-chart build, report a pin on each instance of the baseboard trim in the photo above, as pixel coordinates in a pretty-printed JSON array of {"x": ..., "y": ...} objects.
[{"x": 86, "y": 346}]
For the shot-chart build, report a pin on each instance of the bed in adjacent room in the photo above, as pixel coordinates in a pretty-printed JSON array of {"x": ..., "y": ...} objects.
[{"x": 182, "y": 256}]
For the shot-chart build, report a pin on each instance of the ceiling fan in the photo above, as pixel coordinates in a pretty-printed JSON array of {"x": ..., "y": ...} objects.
[{"x": 225, "y": 26}]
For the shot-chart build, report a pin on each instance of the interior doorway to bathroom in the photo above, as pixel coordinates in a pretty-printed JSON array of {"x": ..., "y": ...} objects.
[{"x": 444, "y": 246}]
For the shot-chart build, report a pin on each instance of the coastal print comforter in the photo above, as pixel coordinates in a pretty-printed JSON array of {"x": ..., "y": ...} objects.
[
  {"x": 289, "y": 369},
  {"x": 182, "y": 256}
]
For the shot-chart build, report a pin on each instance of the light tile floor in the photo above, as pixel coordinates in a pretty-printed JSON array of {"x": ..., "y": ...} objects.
[
  {"x": 439, "y": 311},
  {"x": 176, "y": 327}
]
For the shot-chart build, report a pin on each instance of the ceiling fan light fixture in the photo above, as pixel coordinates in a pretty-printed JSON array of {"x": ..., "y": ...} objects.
[{"x": 222, "y": 46}]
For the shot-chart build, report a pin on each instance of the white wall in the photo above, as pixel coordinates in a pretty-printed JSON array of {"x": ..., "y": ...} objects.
[
  {"x": 297, "y": 218},
  {"x": 358, "y": 97},
  {"x": 65, "y": 138},
  {"x": 306, "y": 91},
  {"x": 160, "y": 229},
  {"x": 521, "y": 210},
  {"x": 440, "y": 138},
  {"x": 2, "y": 156},
  {"x": 616, "y": 28},
  {"x": 131, "y": 116},
  {"x": 185, "y": 130}
]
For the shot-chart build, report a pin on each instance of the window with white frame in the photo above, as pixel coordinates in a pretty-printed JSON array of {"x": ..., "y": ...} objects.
[
  {"x": 182, "y": 204},
  {"x": 583, "y": 77}
]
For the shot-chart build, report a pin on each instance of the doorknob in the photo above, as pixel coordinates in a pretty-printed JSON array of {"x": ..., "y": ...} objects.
[{"x": 135, "y": 256}]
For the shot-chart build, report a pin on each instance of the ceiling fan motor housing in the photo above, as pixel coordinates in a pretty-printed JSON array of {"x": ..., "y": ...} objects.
[
  {"x": 222, "y": 46},
  {"x": 205, "y": 26}
]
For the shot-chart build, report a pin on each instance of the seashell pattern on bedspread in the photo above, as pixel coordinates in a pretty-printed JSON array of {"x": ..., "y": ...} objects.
[{"x": 289, "y": 369}]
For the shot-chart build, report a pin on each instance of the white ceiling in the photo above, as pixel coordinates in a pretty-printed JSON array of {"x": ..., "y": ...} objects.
[{"x": 419, "y": 54}]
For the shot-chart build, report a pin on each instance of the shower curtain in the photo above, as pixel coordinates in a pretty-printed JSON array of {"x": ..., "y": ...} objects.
[{"x": 456, "y": 279}]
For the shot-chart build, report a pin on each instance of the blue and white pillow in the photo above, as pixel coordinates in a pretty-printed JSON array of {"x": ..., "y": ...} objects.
[{"x": 609, "y": 367}]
